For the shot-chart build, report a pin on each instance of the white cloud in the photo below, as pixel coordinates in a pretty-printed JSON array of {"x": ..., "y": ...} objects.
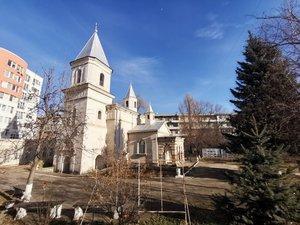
[
  {"x": 211, "y": 16},
  {"x": 213, "y": 31},
  {"x": 138, "y": 69}
]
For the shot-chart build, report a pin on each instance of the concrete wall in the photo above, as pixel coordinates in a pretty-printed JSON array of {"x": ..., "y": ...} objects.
[{"x": 119, "y": 121}]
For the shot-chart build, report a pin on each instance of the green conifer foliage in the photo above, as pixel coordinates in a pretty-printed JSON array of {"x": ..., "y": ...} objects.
[
  {"x": 266, "y": 89},
  {"x": 264, "y": 191}
]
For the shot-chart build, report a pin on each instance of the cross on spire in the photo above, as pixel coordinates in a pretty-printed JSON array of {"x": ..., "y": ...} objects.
[
  {"x": 93, "y": 48},
  {"x": 96, "y": 27}
]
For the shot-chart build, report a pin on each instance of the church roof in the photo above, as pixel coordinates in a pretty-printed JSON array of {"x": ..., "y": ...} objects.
[
  {"x": 147, "y": 127},
  {"x": 93, "y": 48},
  {"x": 130, "y": 92}
]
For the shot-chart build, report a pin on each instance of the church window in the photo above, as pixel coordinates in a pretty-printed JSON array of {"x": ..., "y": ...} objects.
[
  {"x": 99, "y": 115},
  {"x": 127, "y": 104},
  {"x": 141, "y": 147},
  {"x": 134, "y": 104},
  {"x": 101, "y": 79},
  {"x": 78, "y": 79},
  {"x": 74, "y": 115},
  {"x": 148, "y": 116}
]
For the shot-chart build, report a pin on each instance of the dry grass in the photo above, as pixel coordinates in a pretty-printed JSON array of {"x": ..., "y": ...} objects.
[{"x": 204, "y": 181}]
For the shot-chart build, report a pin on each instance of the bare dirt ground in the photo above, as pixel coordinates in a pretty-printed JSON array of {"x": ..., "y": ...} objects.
[{"x": 205, "y": 180}]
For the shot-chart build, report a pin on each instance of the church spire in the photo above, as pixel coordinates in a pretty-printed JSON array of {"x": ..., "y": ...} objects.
[
  {"x": 130, "y": 92},
  {"x": 150, "y": 110},
  {"x": 130, "y": 100},
  {"x": 150, "y": 115},
  {"x": 93, "y": 48}
]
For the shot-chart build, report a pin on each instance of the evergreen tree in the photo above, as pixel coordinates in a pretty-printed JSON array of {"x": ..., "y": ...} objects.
[
  {"x": 266, "y": 89},
  {"x": 264, "y": 191}
]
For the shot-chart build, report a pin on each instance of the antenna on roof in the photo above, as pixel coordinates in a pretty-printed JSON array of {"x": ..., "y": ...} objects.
[{"x": 96, "y": 27}]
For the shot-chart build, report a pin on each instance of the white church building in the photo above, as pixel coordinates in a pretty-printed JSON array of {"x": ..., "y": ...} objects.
[{"x": 110, "y": 126}]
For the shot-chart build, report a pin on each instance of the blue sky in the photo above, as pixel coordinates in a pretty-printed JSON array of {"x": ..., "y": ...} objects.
[{"x": 166, "y": 48}]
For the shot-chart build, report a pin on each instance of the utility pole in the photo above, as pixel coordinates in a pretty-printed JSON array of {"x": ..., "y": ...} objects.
[
  {"x": 139, "y": 183},
  {"x": 161, "y": 188},
  {"x": 187, "y": 217}
]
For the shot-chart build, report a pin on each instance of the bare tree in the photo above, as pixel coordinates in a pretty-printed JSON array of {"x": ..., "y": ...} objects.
[
  {"x": 283, "y": 30},
  {"x": 142, "y": 104},
  {"x": 114, "y": 191},
  {"x": 56, "y": 127},
  {"x": 199, "y": 125}
]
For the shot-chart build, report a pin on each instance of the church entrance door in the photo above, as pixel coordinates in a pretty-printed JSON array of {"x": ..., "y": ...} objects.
[
  {"x": 67, "y": 164},
  {"x": 168, "y": 156}
]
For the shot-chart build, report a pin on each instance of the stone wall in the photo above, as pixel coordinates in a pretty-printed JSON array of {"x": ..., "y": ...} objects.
[{"x": 150, "y": 155}]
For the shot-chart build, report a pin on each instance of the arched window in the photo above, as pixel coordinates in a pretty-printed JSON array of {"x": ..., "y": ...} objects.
[
  {"x": 99, "y": 115},
  {"x": 141, "y": 147},
  {"x": 134, "y": 104},
  {"x": 78, "y": 80},
  {"x": 127, "y": 104},
  {"x": 101, "y": 79}
]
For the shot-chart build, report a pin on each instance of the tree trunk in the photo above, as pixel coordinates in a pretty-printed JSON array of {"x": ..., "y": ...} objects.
[{"x": 28, "y": 189}]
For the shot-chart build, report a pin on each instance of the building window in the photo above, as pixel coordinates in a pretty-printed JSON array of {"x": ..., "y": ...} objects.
[
  {"x": 27, "y": 78},
  {"x": 3, "y": 107},
  {"x": 10, "y": 109},
  {"x": 99, "y": 115},
  {"x": 19, "y": 69},
  {"x": 134, "y": 104},
  {"x": 17, "y": 78},
  {"x": 141, "y": 149},
  {"x": 36, "y": 82},
  {"x": 101, "y": 79},
  {"x": 19, "y": 115},
  {"x": 148, "y": 116},
  {"x": 21, "y": 105},
  {"x": 8, "y": 74},
  {"x": 1, "y": 95},
  {"x": 78, "y": 80},
  {"x": 127, "y": 104},
  {"x": 10, "y": 63}
]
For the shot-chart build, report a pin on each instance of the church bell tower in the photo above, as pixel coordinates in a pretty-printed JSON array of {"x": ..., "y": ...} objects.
[{"x": 88, "y": 96}]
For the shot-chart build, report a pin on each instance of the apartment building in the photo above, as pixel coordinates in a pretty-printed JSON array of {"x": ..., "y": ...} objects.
[
  {"x": 175, "y": 122},
  {"x": 19, "y": 91}
]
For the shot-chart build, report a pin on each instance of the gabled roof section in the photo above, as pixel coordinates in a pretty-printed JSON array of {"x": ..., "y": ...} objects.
[
  {"x": 130, "y": 92},
  {"x": 147, "y": 127},
  {"x": 93, "y": 48}
]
